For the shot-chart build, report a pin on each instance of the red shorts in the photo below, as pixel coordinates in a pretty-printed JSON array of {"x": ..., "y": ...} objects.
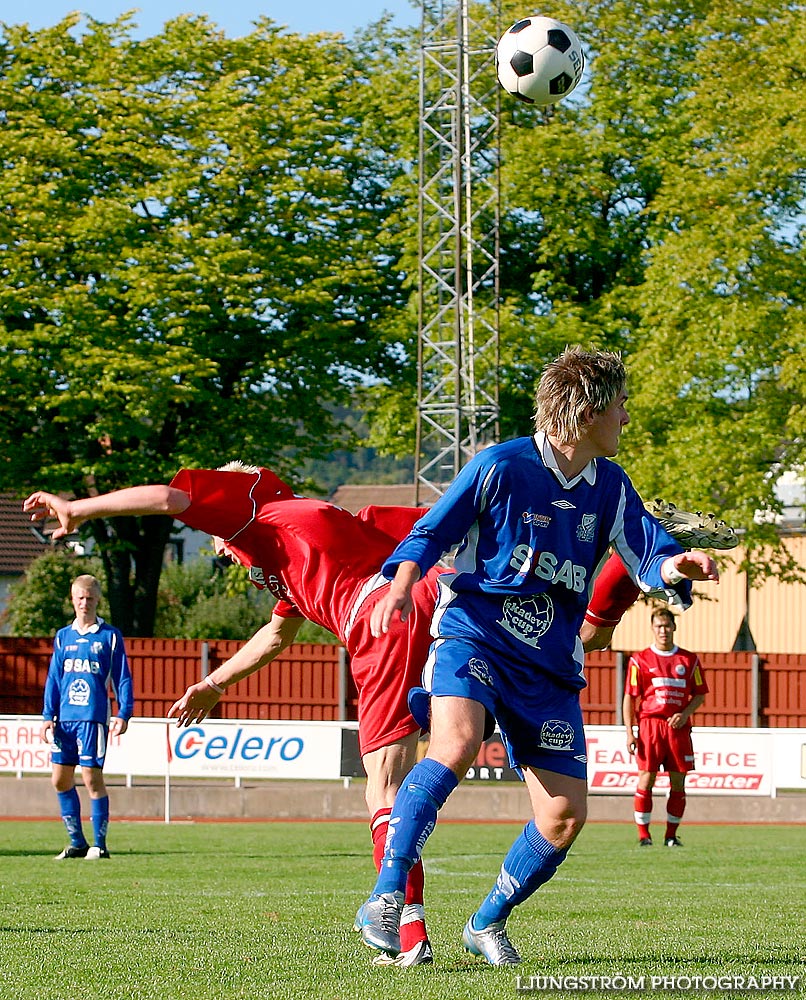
[
  {"x": 613, "y": 593},
  {"x": 385, "y": 669},
  {"x": 660, "y": 746}
]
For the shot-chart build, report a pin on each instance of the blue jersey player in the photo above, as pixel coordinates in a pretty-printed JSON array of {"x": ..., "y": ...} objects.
[
  {"x": 532, "y": 518},
  {"x": 88, "y": 661}
]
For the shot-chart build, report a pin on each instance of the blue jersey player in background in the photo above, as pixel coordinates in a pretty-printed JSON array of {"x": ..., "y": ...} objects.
[
  {"x": 88, "y": 662},
  {"x": 532, "y": 518}
]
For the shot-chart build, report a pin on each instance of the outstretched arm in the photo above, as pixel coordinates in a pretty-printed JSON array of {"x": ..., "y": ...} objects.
[
  {"x": 136, "y": 500},
  {"x": 262, "y": 648},
  {"x": 694, "y": 565}
]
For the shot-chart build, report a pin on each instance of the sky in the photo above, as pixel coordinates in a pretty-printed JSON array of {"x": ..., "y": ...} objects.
[{"x": 235, "y": 17}]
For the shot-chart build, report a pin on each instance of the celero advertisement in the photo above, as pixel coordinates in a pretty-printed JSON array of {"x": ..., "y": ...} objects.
[
  {"x": 273, "y": 750},
  {"x": 727, "y": 761}
]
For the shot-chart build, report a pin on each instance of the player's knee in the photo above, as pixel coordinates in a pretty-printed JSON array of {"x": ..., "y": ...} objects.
[
  {"x": 457, "y": 754},
  {"x": 575, "y": 819},
  {"x": 563, "y": 827},
  {"x": 94, "y": 782}
]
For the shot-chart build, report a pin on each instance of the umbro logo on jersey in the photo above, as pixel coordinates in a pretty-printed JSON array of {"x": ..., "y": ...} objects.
[{"x": 563, "y": 504}]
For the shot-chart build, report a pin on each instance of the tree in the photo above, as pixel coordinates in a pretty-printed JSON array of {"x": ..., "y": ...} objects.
[
  {"x": 189, "y": 269},
  {"x": 723, "y": 331},
  {"x": 39, "y": 603},
  {"x": 659, "y": 212},
  {"x": 197, "y": 600}
]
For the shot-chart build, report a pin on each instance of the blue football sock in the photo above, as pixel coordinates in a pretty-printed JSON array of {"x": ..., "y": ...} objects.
[
  {"x": 531, "y": 861},
  {"x": 414, "y": 815},
  {"x": 70, "y": 806},
  {"x": 100, "y": 820}
]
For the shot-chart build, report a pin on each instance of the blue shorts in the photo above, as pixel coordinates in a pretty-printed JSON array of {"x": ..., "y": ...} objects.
[
  {"x": 540, "y": 721},
  {"x": 81, "y": 743}
]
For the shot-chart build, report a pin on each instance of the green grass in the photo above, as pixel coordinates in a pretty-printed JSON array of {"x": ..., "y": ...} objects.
[{"x": 265, "y": 911}]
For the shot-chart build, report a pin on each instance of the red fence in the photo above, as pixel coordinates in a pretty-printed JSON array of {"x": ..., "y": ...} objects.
[
  {"x": 312, "y": 682},
  {"x": 307, "y": 681}
]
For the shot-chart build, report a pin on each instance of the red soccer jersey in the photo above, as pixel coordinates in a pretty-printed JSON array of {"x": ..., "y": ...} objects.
[
  {"x": 664, "y": 683},
  {"x": 314, "y": 557}
]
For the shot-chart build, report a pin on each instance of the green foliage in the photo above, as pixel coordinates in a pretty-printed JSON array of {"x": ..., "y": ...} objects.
[
  {"x": 720, "y": 355},
  {"x": 195, "y": 602},
  {"x": 190, "y": 260},
  {"x": 659, "y": 212},
  {"x": 273, "y": 912},
  {"x": 39, "y": 604},
  {"x": 362, "y": 463},
  {"x": 223, "y": 617},
  {"x": 208, "y": 248},
  {"x": 191, "y": 248},
  {"x": 199, "y": 599},
  {"x": 311, "y": 632}
]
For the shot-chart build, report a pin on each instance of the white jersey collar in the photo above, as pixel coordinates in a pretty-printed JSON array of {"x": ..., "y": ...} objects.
[
  {"x": 550, "y": 461},
  {"x": 663, "y": 652},
  {"x": 90, "y": 628}
]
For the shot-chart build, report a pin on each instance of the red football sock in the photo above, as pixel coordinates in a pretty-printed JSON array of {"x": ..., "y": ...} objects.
[
  {"x": 675, "y": 807},
  {"x": 642, "y": 807},
  {"x": 378, "y": 826}
]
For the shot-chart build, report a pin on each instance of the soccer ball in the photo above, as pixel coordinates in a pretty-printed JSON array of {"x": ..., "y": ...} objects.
[{"x": 539, "y": 60}]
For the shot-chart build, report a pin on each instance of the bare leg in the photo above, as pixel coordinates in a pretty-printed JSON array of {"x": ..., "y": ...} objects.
[
  {"x": 385, "y": 769},
  {"x": 559, "y": 803}
]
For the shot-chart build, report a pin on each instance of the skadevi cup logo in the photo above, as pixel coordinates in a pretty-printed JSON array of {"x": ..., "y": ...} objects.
[{"x": 556, "y": 734}]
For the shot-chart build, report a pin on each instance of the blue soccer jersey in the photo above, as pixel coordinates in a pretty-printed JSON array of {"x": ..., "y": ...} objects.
[
  {"x": 84, "y": 668},
  {"x": 530, "y": 542}
]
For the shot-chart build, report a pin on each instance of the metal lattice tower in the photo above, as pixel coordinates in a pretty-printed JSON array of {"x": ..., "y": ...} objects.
[{"x": 458, "y": 344}]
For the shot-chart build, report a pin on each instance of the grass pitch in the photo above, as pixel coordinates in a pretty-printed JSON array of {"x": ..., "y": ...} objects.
[{"x": 265, "y": 910}]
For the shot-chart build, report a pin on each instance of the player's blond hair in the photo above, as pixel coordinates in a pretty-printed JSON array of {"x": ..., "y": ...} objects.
[
  {"x": 573, "y": 383},
  {"x": 238, "y": 466},
  {"x": 88, "y": 582},
  {"x": 661, "y": 611}
]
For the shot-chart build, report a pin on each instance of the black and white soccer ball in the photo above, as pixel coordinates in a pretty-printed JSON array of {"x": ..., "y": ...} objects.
[{"x": 539, "y": 60}]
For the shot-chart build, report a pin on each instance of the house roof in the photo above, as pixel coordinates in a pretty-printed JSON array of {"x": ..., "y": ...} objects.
[
  {"x": 353, "y": 497},
  {"x": 18, "y": 544}
]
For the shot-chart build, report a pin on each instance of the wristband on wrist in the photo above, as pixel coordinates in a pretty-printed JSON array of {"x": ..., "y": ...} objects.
[
  {"x": 673, "y": 574},
  {"x": 208, "y": 680}
]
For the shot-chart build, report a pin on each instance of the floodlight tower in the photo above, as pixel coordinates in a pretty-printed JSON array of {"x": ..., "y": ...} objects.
[{"x": 458, "y": 219}]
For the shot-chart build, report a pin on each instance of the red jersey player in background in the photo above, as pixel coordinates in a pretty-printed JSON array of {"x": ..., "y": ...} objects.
[
  {"x": 665, "y": 686},
  {"x": 321, "y": 563}
]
